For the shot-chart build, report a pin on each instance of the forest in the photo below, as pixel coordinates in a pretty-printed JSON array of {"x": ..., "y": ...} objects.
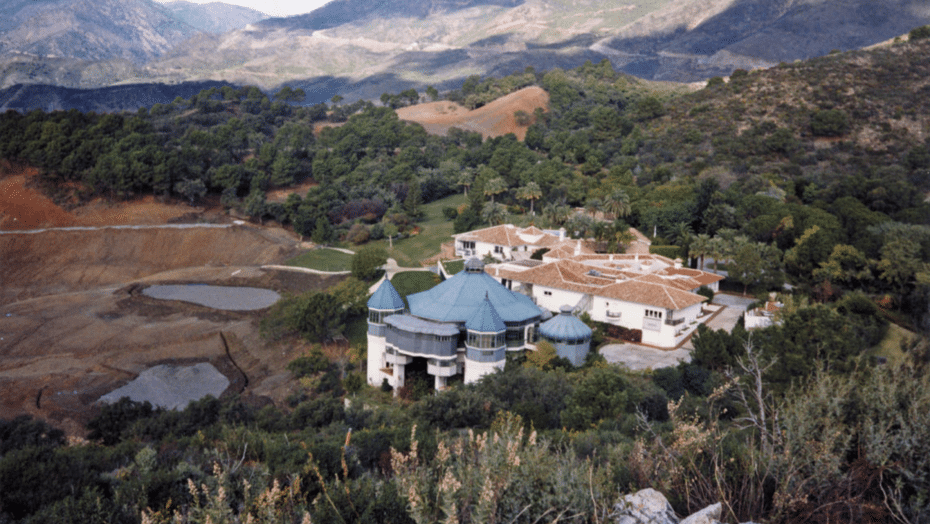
[{"x": 813, "y": 174}]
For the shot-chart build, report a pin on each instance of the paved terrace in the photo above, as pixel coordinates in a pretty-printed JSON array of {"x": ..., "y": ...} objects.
[{"x": 642, "y": 357}]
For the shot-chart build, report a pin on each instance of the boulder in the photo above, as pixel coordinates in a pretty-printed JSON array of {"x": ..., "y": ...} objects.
[
  {"x": 646, "y": 506},
  {"x": 709, "y": 515}
]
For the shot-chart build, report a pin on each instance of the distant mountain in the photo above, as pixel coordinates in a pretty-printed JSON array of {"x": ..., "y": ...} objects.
[
  {"x": 363, "y": 48},
  {"x": 108, "y": 99},
  {"x": 215, "y": 17},
  {"x": 97, "y": 30}
]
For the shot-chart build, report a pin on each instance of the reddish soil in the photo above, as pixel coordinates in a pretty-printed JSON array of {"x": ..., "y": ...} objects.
[
  {"x": 74, "y": 326},
  {"x": 23, "y": 206},
  {"x": 492, "y": 120}
]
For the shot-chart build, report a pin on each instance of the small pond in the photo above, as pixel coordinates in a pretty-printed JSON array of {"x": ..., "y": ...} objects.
[{"x": 216, "y": 297}]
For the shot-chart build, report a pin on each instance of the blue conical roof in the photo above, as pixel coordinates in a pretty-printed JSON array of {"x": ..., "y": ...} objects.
[
  {"x": 486, "y": 319},
  {"x": 386, "y": 298},
  {"x": 565, "y": 326},
  {"x": 458, "y": 298}
]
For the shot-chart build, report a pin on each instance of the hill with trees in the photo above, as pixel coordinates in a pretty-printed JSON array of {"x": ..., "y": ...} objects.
[{"x": 812, "y": 173}]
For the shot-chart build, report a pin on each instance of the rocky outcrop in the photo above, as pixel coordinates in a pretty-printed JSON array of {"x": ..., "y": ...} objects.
[{"x": 648, "y": 506}]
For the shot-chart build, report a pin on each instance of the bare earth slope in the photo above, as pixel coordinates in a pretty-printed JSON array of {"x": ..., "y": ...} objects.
[
  {"x": 74, "y": 324},
  {"x": 491, "y": 120}
]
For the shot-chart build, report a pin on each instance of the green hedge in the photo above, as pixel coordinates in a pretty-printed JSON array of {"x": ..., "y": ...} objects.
[{"x": 671, "y": 252}]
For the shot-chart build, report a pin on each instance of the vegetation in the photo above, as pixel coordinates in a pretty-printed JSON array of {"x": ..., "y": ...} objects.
[{"x": 778, "y": 174}]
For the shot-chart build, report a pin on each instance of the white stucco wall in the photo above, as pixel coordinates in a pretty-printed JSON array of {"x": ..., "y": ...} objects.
[
  {"x": 475, "y": 370},
  {"x": 553, "y": 299}
]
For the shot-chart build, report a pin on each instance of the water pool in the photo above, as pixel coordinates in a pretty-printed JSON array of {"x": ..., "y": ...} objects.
[{"x": 216, "y": 297}]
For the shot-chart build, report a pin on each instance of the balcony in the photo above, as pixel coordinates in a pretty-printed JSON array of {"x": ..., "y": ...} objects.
[
  {"x": 674, "y": 321},
  {"x": 441, "y": 368},
  {"x": 391, "y": 356},
  {"x": 613, "y": 314}
]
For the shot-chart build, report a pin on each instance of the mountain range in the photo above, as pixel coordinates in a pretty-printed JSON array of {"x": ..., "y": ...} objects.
[{"x": 361, "y": 49}]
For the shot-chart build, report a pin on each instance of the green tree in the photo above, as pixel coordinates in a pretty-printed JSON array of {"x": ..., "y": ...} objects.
[
  {"x": 191, "y": 188},
  {"x": 432, "y": 93},
  {"x": 494, "y": 213},
  {"x": 829, "y": 122},
  {"x": 366, "y": 264},
  {"x": 320, "y": 317},
  {"x": 322, "y": 231},
  {"x": 532, "y": 192},
  {"x": 700, "y": 248},
  {"x": 618, "y": 204},
  {"x": 602, "y": 394},
  {"x": 755, "y": 263},
  {"x": 493, "y": 187}
]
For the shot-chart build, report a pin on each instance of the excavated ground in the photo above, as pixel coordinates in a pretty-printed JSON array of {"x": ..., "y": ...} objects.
[{"x": 74, "y": 324}]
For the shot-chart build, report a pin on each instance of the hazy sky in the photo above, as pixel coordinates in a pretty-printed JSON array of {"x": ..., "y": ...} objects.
[{"x": 270, "y": 7}]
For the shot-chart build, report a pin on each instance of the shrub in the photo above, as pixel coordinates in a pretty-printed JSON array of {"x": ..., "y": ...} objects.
[
  {"x": 829, "y": 122},
  {"x": 450, "y": 212},
  {"x": 919, "y": 33},
  {"x": 705, "y": 291},
  {"x": 309, "y": 364},
  {"x": 366, "y": 264},
  {"x": 358, "y": 234},
  {"x": 671, "y": 252}
]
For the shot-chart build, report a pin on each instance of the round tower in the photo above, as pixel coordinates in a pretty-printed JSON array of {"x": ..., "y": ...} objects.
[
  {"x": 385, "y": 301},
  {"x": 485, "y": 342},
  {"x": 570, "y": 336}
]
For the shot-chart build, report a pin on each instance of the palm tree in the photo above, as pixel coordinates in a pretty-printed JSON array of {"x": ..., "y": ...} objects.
[
  {"x": 716, "y": 249},
  {"x": 531, "y": 191},
  {"x": 623, "y": 236},
  {"x": 466, "y": 179},
  {"x": 700, "y": 247},
  {"x": 682, "y": 234},
  {"x": 618, "y": 203},
  {"x": 495, "y": 186},
  {"x": 494, "y": 213},
  {"x": 557, "y": 213},
  {"x": 592, "y": 206}
]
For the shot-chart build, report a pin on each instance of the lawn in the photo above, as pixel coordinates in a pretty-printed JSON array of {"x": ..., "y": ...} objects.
[
  {"x": 435, "y": 229},
  {"x": 323, "y": 259},
  {"x": 454, "y": 267},
  {"x": 410, "y": 282}
]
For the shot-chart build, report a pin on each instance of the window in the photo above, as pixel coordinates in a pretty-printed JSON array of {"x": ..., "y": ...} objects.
[
  {"x": 547, "y": 293},
  {"x": 468, "y": 244},
  {"x": 651, "y": 313},
  {"x": 498, "y": 249}
]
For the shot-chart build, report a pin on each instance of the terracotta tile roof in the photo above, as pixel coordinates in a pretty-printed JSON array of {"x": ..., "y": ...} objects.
[
  {"x": 640, "y": 237},
  {"x": 510, "y": 236},
  {"x": 655, "y": 289}
]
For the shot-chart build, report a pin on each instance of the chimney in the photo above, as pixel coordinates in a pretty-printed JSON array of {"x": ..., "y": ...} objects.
[
  {"x": 561, "y": 233},
  {"x": 578, "y": 248}
]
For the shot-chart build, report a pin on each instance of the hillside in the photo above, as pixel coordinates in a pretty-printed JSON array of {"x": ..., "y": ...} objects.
[
  {"x": 856, "y": 114},
  {"x": 134, "y": 30},
  {"x": 360, "y": 50},
  {"x": 214, "y": 17},
  {"x": 494, "y": 119}
]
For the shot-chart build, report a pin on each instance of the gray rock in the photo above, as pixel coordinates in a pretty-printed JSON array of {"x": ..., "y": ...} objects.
[
  {"x": 709, "y": 515},
  {"x": 646, "y": 506}
]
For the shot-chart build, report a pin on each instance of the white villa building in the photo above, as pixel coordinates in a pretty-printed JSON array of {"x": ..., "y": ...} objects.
[
  {"x": 508, "y": 242},
  {"x": 650, "y": 293}
]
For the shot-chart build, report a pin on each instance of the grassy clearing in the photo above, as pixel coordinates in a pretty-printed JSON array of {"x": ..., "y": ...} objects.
[
  {"x": 434, "y": 230},
  {"x": 455, "y": 266},
  {"x": 323, "y": 260},
  {"x": 890, "y": 346},
  {"x": 410, "y": 282}
]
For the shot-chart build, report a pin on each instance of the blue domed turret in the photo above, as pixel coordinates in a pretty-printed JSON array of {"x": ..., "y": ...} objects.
[
  {"x": 570, "y": 336},
  {"x": 385, "y": 301}
]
